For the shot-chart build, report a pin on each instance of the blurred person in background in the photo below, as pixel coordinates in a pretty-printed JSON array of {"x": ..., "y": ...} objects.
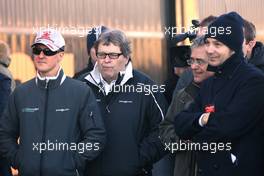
[
  {"x": 253, "y": 50},
  {"x": 178, "y": 65},
  {"x": 92, "y": 36},
  {"x": 5, "y": 61},
  {"x": 7, "y": 85}
]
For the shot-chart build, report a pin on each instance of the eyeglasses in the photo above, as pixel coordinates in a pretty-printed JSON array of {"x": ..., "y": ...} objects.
[
  {"x": 199, "y": 62},
  {"x": 101, "y": 55},
  {"x": 46, "y": 51}
]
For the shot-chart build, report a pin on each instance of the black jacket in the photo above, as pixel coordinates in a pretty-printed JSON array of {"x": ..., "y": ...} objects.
[
  {"x": 236, "y": 91},
  {"x": 131, "y": 120},
  {"x": 59, "y": 113},
  {"x": 5, "y": 91},
  {"x": 86, "y": 70},
  {"x": 257, "y": 57}
]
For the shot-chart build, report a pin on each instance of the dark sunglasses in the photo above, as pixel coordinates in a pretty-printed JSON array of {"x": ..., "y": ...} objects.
[{"x": 46, "y": 51}]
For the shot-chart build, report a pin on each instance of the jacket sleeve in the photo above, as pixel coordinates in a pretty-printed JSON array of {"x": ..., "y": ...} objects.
[
  {"x": 166, "y": 128},
  {"x": 187, "y": 121},
  {"x": 5, "y": 90},
  {"x": 240, "y": 116},
  {"x": 151, "y": 147},
  {"x": 9, "y": 132},
  {"x": 92, "y": 129}
]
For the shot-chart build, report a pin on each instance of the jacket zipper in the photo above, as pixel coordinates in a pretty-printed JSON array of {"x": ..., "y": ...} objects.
[
  {"x": 77, "y": 172},
  {"x": 44, "y": 121},
  {"x": 92, "y": 117}
]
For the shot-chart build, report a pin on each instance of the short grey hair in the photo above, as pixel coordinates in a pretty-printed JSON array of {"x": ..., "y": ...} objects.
[
  {"x": 116, "y": 37},
  {"x": 198, "y": 42}
]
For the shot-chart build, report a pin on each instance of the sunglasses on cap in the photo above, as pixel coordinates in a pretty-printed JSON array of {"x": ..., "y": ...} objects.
[{"x": 46, "y": 51}]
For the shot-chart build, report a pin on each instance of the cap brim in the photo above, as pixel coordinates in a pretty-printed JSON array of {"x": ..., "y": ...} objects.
[{"x": 47, "y": 43}]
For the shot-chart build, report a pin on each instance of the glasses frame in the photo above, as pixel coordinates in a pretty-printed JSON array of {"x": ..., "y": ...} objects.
[
  {"x": 196, "y": 61},
  {"x": 110, "y": 55},
  {"x": 46, "y": 51}
]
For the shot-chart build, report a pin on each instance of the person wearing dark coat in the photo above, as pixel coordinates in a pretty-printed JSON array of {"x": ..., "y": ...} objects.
[
  {"x": 92, "y": 36},
  {"x": 227, "y": 115},
  {"x": 131, "y": 114},
  {"x": 253, "y": 50},
  {"x": 178, "y": 66},
  {"x": 185, "y": 161},
  {"x": 5, "y": 91},
  {"x": 257, "y": 56},
  {"x": 56, "y": 118}
]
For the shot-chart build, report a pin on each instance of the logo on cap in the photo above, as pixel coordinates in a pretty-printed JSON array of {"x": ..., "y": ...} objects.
[{"x": 46, "y": 35}]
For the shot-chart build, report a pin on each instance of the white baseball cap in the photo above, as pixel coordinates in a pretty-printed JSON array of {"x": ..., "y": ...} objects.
[{"x": 50, "y": 38}]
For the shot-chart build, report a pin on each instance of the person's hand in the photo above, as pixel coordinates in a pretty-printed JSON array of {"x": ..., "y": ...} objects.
[{"x": 205, "y": 118}]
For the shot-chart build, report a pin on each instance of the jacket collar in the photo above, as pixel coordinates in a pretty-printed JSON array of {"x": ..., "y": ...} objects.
[
  {"x": 257, "y": 57},
  {"x": 95, "y": 77},
  {"x": 5, "y": 61},
  {"x": 192, "y": 89},
  {"x": 50, "y": 82},
  {"x": 229, "y": 67}
]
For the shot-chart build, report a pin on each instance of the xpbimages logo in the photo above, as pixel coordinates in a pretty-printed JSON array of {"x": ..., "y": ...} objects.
[
  {"x": 212, "y": 31},
  {"x": 212, "y": 147},
  {"x": 64, "y": 146},
  {"x": 138, "y": 88},
  {"x": 80, "y": 31}
]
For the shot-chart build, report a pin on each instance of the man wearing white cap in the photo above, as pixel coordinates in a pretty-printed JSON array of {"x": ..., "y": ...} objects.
[{"x": 56, "y": 118}]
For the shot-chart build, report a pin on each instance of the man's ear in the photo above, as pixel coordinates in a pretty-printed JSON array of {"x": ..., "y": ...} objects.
[
  {"x": 252, "y": 43},
  {"x": 61, "y": 54}
]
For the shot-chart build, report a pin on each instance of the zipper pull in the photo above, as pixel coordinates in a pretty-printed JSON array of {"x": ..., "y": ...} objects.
[
  {"x": 77, "y": 172},
  {"x": 47, "y": 82},
  {"x": 107, "y": 109}
]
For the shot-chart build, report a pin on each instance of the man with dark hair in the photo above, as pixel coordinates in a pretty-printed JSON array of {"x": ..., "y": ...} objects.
[
  {"x": 253, "y": 50},
  {"x": 92, "y": 36},
  {"x": 226, "y": 118}
]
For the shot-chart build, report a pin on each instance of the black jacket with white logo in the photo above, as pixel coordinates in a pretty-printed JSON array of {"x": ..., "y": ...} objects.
[
  {"x": 58, "y": 124},
  {"x": 132, "y": 112}
]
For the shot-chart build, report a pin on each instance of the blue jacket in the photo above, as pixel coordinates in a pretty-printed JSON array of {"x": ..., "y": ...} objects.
[
  {"x": 237, "y": 93},
  {"x": 5, "y": 91}
]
